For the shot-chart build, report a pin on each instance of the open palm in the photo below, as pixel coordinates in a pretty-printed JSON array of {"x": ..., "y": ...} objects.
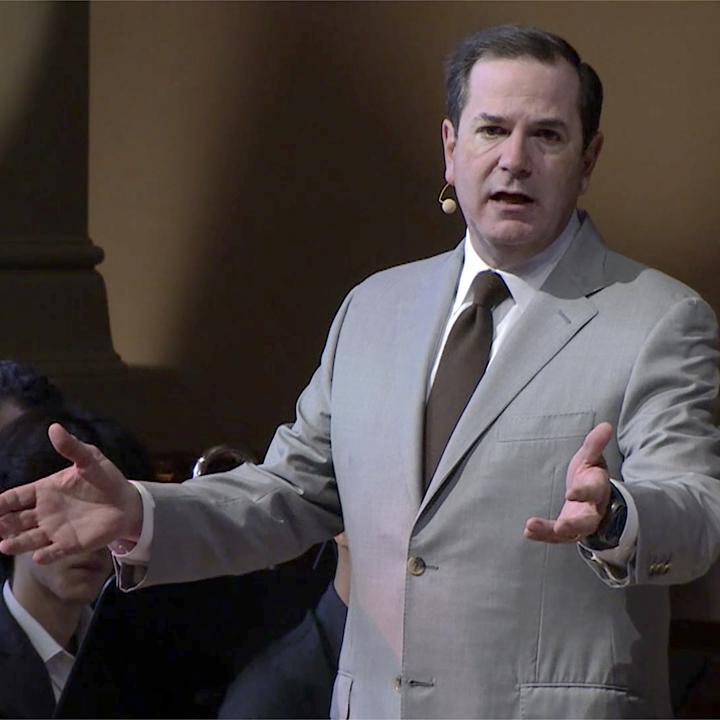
[{"x": 83, "y": 507}]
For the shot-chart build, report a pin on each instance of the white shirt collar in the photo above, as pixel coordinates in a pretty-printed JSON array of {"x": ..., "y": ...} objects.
[
  {"x": 523, "y": 281},
  {"x": 58, "y": 661},
  {"x": 44, "y": 643}
]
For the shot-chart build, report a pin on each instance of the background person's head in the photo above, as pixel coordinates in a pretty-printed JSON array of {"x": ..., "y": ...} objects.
[
  {"x": 222, "y": 458},
  {"x": 26, "y": 455},
  {"x": 23, "y": 389}
]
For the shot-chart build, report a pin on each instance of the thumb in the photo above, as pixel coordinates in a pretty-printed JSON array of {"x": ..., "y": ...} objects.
[
  {"x": 591, "y": 452},
  {"x": 70, "y": 447}
]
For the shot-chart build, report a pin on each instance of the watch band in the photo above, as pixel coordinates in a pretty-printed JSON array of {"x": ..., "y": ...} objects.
[{"x": 611, "y": 527}]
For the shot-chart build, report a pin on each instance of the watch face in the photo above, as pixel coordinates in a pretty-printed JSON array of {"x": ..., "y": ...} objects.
[
  {"x": 611, "y": 528},
  {"x": 616, "y": 525}
]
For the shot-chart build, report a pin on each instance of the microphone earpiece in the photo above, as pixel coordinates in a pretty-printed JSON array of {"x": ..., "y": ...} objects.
[{"x": 448, "y": 205}]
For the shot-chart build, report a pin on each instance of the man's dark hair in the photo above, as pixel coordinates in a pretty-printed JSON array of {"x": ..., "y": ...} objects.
[
  {"x": 27, "y": 388},
  {"x": 26, "y": 453},
  {"x": 515, "y": 41}
]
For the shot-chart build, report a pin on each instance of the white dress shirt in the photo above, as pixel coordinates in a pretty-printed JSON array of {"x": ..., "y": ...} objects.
[
  {"x": 523, "y": 282},
  {"x": 58, "y": 661}
]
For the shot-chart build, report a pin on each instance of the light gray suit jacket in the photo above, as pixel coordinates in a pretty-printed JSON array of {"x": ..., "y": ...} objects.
[{"x": 453, "y": 613}]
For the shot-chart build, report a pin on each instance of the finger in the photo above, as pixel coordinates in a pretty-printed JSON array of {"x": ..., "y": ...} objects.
[
  {"x": 569, "y": 529},
  {"x": 558, "y": 532},
  {"x": 70, "y": 447},
  {"x": 592, "y": 486},
  {"x": 15, "y": 523},
  {"x": 25, "y": 542},
  {"x": 591, "y": 451},
  {"x": 17, "y": 498},
  {"x": 541, "y": 530}
]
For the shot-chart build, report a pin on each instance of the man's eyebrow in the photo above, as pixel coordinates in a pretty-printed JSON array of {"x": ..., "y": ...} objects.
[
  {"x": 552, "y": 122},
  {"x": 486, "y": 117}
]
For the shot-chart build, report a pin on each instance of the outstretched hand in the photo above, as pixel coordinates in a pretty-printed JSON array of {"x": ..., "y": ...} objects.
[
  {"x": 587, "y": 494},
  {"x": 83, "y": 507}
]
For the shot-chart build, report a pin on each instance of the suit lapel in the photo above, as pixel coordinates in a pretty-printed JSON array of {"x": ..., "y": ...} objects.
[
  {"x": 558, "y": 311},
  {"x": 423, "y": 320}
]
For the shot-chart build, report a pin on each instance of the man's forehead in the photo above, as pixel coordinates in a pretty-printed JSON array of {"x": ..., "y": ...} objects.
[{"x": 554, "y": 84}]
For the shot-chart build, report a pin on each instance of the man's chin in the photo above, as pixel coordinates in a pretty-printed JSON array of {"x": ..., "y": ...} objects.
[
  {"x": 83, "y": 592},
  {"x": 509, "y": 243},
  {"x": 510, "y": 235},
  {"x": 511, "y": 232}
]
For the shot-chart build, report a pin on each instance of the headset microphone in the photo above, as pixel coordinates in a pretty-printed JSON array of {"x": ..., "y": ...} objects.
[{"x": 448, "y": 205}]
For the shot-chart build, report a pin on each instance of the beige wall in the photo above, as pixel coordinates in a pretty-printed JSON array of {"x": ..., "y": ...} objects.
[{"x": 250, "y": 162}]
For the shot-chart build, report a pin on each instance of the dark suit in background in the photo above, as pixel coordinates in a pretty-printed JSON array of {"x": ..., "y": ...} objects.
[
  {"x": 293, "y": 677},
  {"x": 33, "y": 697},
  {"x": 171, "y": 651}
]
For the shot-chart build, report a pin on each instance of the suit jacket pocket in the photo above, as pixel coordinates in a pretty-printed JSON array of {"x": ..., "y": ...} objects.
[
  {"x": 340, "y": 706},
  {"x": 578, "y": 700},
  {"x": 513, "y": 428}
]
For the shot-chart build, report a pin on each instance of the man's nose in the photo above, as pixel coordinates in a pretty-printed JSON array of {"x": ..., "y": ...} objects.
[{"x": 515, "y": 155}]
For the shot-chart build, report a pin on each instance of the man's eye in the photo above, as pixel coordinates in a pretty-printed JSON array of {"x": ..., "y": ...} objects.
[
  {"x": 491, "y": 131},
  {"x": 549, "y": 135}
]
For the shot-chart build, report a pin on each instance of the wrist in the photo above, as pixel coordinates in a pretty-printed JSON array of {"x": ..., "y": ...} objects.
[
  {"x": 122, "y": 546},
  {"x": 608, "y": 533},
  {"x": 132, "y": 520}
]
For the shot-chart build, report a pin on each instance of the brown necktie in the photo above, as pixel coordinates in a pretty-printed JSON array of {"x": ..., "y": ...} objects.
[{"x": 463, "y": 362}]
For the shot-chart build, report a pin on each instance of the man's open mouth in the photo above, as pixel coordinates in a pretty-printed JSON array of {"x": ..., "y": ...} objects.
[{"x": 511, "y": 198}]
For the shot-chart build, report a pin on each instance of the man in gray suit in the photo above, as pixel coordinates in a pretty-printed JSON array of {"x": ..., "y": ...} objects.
[{"x": 596, "y": 409}]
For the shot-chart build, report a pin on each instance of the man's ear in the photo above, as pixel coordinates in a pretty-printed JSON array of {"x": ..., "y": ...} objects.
[
  {"x": 449, "y": 139},
  {"x": 590, "y": 157}
]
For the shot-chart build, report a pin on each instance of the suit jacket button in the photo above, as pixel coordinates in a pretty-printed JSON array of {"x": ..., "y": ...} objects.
[
  {"x": 397, "y": 683},
  {"x": 416, "y": 565}
]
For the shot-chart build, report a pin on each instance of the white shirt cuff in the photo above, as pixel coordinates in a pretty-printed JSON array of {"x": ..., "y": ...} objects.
[
  {"x": 621, "y": 554},
  {"x": 140, "y": 553}
]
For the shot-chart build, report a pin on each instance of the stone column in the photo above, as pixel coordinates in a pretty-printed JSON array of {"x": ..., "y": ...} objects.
[{"x": 53, "y": 304}]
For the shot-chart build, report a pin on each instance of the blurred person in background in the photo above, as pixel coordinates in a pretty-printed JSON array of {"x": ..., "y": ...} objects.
[
  {"x": 293, "y": 677},
  {"x": 23, "y": 389},
  {"x": 45, "y": 609}
]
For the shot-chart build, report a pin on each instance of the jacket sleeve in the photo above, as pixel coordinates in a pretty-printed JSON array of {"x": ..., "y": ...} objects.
[{"x": 671, "y": 448}]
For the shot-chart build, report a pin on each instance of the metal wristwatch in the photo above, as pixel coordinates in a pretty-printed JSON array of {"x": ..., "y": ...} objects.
[{"x": 611, "y": 527}]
